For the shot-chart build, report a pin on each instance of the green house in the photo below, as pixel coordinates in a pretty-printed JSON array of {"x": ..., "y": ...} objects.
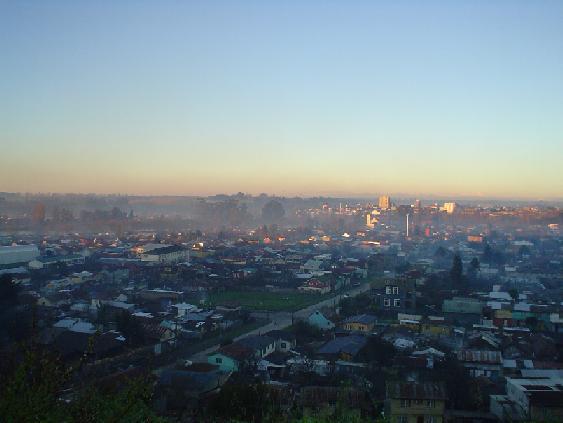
[
  {"x": 231, "y": 358},
  {"x": 318, "y": 320}
]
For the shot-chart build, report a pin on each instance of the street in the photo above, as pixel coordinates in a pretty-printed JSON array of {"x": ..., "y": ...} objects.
[{"x": 283, "y": 319}]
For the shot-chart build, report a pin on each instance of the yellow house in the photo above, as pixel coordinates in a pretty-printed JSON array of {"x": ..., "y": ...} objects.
[
  {"x": 435, "y": 329},
  {"x": 360, "y": 323},
  {"x": 415, "y": 402}
]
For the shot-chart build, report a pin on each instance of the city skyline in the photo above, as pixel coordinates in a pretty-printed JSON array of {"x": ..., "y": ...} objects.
[{"x": 446, "y": 99}]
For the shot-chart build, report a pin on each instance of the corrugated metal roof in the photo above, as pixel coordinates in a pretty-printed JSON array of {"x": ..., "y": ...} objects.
[
  {"x": 430, "y": 390},
  {"x": 488, "y": 357}
]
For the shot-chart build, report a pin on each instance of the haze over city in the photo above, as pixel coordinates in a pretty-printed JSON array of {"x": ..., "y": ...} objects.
[
  {"x": 281, "y": 211},
  {"x": 300, "y": 98}
]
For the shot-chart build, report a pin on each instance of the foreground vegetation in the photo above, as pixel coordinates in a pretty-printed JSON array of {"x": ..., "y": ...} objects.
[{"x": 38, "y": 389}]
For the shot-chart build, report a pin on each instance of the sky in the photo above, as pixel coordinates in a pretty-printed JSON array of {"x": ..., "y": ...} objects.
[{"x": 456, "y": 98}]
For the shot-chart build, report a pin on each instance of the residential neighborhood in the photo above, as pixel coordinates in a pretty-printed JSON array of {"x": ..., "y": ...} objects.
[{"x": 454, "y": 322}]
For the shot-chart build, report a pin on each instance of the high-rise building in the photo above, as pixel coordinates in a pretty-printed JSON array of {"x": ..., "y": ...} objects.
[
  {"x": 417, "y": 205},
  {"x": 371, "y": 220},
  {"x": 385, "y": 202},
  {"x": 38, "y": 214},
  {"x": 450, "y": 207}
]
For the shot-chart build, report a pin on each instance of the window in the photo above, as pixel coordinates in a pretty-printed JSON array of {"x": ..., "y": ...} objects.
[
  {"x": 283, "y": 345},
  {"x": 402, "y": 419},
  {"x": 387, "y": 302},
  {"x": 397, "y": 303},
  {"x": 395, "y": 290},
  {"x": 388, "y": 290},
  {"x": 418, "y": 402},
  {"x": 405, "y": 403},
  {"x": 430, "y": 403},
  {"x": 429, "y": 419},
  {"x": 218, "y": 360}
]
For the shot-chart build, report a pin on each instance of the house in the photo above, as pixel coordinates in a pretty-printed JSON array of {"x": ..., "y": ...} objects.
[
  {"x": 360, "y": 323},
  {"x": 231, "y": 357},
  {"x": 184, "y": 308},
  {"x": 397, "y": 294},
  {"x": 167, "y": 254},
  {"x": 261, "y": 345},
  {"x": 311, "y": 265},
  {"x": 155, "y": 332},
  {"x": 285, "y": 340},
  {"x": 536, "y": 399},
  {"x": 344, "y": 347},
  {"x": 463, "y": 306},
  {"x": 75, "y": 325},
  {"x": 435, "y": 326},
  {"x": 415, "y": 402},
  {"x": 315, "y": 286},
  {"x": 178, "y": 387},
  {"x": 431, "y": 355},
  {"x": 48, "y": 261},
  {"x": 481, "y": 363},
  {"x": 81, "y": 277},
  {"x": 318, "y": 320}
]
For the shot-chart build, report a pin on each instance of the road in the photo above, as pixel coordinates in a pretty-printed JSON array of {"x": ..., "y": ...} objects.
[{"x": 283, "y": 319}]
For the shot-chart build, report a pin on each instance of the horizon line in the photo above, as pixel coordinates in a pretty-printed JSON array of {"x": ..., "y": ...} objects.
[{"x": 334, "y": 195}]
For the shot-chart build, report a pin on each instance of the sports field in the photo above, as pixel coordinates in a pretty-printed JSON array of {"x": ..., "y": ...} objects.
[{"x": 272, "y": 301}]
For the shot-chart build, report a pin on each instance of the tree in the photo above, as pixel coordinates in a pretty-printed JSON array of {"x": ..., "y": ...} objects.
[
  {"x": 304, "y": 332},
  {"x": 440, "y": 252},
  {"x": 272, "y": 211},
  {"x": 458, "y": 383},
  {"x": 8, "y": 291},
  {"x": 474, "y": 267},
  {"x": 377, "y": 351},
  {"x": 16, "y": 319},
  {"x": 513, "y": 293},
  {"x": 524, "y": 250},
  {"x": 247, "y": 402},
  {"x": 456, "y": 272},
  {"x": 130, "y": 328},
  {"x": 487, "y": 254},
  {"x": 32, "y": 392},
  {"x": 532, "y": 322}
]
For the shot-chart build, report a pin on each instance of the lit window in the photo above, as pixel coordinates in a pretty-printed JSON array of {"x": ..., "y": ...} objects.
[
  {"x": 388, "y": 290},
  {"x": 397, "y": 303}
]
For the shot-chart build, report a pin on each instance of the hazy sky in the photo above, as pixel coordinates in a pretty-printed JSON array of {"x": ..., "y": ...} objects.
[{"x": 306, "y": 97}]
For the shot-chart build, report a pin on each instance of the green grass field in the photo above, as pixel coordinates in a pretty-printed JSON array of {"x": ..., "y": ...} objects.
[{"x": 271, "y": 301}]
